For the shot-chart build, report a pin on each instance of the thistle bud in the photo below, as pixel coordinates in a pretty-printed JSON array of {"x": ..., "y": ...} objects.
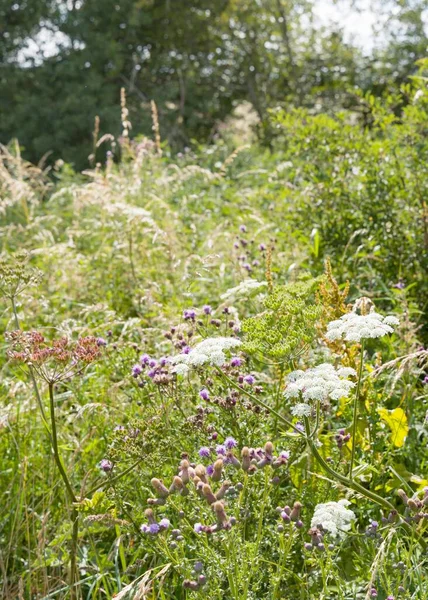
[
  {"x": 218, "y": 467},
  {"x": 403, "y": 496},
  {"x": 201, "y": 472},
  {"x": 269, "y": 449},
  {"x": 295, "y": 513},
  {"x": 231, "y": 459},
  {"x": 208, "y": 494},
  {"x": 246, "y": 458},
  {"x": 220, "y": 513},
  {"x": 159, "y": 488},
  {"x": 184, "y": 471},
  {"x": 190, "y": 585},
  {"x": 221, "y": 492},
  {"x": 150, "y": 516}
]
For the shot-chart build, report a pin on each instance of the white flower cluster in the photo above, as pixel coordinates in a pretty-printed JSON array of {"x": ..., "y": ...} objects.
[
  {"x": 244, "y": 289},
  {"x": 354, "y": 327},
  {"x": 209, "y": 351},
  {"x": 301, "y": 410},
  {"x": 320, "y": 383},
  {"x": 334, "y": 517}
]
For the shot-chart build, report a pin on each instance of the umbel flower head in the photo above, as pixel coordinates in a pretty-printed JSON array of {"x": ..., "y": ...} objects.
[
  {"x": 210, "y": 351},
  {"x": 319, "y": 384},
  {"x": 245, "y": 289},
  {"x": 333, "y": 517},
  {"x": 53, "y": 361},
  {"x": 362, "y": 323}
]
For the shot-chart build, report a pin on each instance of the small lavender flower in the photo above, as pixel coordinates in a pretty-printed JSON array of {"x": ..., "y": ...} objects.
[
  {"x": 262, "y": 247},
  {"x": 198, "y": 527},
  {"x": 207, "y": 309},
  {"x": 106, "y": 465},
  {"x": 230, "y": 443},
  {"x": 204, "y": 452},
  {"x": 204, "y": 394},
  {"x": 136, "y": 370},
  {"x": 236, "y": 362},
  {"x": 151, "y": 373},
  {"x": 101, "y": 342},
  {"x": 189, "y": 314},
  {"x": 198, "y": 566},
  {"x": 164, "y": 523},
  {"x": 221, "y": 449},
  {"x": 152, "y": 363},
  {"x": 242, "y": 228},
  {"x": 144, "y": 528},
  {"x": 249, "y": 379},
  {"x": 209, "y": 470},
  {"x": 144, "y": 360},
  {"x": 154, "y": 528}
]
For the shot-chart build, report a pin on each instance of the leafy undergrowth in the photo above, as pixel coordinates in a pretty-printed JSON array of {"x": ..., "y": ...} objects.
[{"x": 186, "y": 386}]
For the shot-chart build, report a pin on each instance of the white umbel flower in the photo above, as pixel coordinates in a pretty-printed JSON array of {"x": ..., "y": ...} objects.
[
  {"x": 320, "y": 383},
  {"x": 334, "y": 517},
  {"x": 355, "y": 327},
  {"x": 301, "y": 410},
  {"x": 244, "y": 289},
  {"x": 210, "y": 351}
]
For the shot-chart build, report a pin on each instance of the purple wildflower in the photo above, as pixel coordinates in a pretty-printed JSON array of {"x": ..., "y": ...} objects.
[
  {"x": 242, "y": 228},
  {"x": 106, "y": 465},
  {"x": 204, "y": 394},
  {"x": 101, "y": 342},
  {"x": 207, "y": 309},
  {"x": 249, "y": 379},
  {"x": 236, "y": 362},
  {"x": 186, "y": 350},
  {"x": 230, "y": 443},
  {"x": 210, "y": 470},
  {"x": 151, "y": 373},
  {"x": 154, "y": 528},
  {"x": 144, "y": 528},
  {"x": 220, "y": 449},
  {"x": 284, "y": 455},
  {"x": 262, "y": 247},
  {"x": 204, "y": 452},
  {"x": 152, "y": 363},
  {"x": 164, "y": 523},
  {"x": 144, "y": 360},
  {"x": 198, "y": 527},
  {"x": 136, "y": 370},
  {"x": 189, "y": 314}
]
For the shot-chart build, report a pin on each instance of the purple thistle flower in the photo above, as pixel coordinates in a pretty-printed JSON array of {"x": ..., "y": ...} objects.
[
  {"x": 250, "y": 379},
  {"x": 189, "y": 314},
  {"x": 204, "y": 452},
  {"x": 152, "y": 363},
  {"x": 198, "y": 527},
  {"x": 210, "y": 470},
  {"x": 144, "y": 360},
  {"x": 247, "y": 267},
  {"x": 106, "y": 465},
  {"x": 300, "y": 427},
  {"x": 425, "y": 380},
  {"x": 101, "y": 342},
  {"x": 154, "y": 528},
  {"x": 242, "y": 228},
  {"x": 236, "y": 362},
  {"x": 285, "y": 455},
  {"x": 186, "y": 350},
  {"x": 198, "y": 566},
  {"x": 230, "y": 443},
  {"x": 163, "y": 361},
  {"x": 164, "y": 523},
  {"x": 262, "y": 247},
  {"x": 207, "y": 309},
  {"x": 144, "y": 528},
  {"x": 220, "y": 449},
  {"x": 151, "y": 373},
  {"x": 119, "y": 428},
  {"x": 204, "y": 394},
  {"x": 136, "y": 370}
]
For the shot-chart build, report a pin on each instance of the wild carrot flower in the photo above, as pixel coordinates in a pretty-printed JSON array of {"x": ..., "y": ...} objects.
[
  {"x": 320, "y": 383},
  {"x": 355, "y": 327},
  {"x": 333, "y": 517},
  {"x": 210, "y": 351}
]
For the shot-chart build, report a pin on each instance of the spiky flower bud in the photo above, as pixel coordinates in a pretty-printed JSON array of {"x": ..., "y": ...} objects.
[
  {"x": 159, "y": 488},
  {"x": 218, "y": 467}
]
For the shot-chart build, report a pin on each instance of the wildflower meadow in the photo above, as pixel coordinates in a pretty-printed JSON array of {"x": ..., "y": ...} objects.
[{"x": 214, "y": 363}]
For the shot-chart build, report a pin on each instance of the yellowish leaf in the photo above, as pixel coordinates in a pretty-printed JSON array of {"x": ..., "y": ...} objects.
[{"x": 397, "y": 421}]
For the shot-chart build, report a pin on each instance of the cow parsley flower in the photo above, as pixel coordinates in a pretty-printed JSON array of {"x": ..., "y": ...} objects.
[
  {"x": 355, "y": 327},
  {"x": 244, "y": 289},
  {"x": 333, "y": 517},
  {"x": 301, "y": 410},
  {"x": 210, "y": 351},
  {"x": 320, "y": 383}
]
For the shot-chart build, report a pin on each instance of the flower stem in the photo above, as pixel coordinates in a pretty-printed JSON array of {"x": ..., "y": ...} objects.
[
  {"x": 70, "y": 493},
  {"x": 355, "y": 416}
]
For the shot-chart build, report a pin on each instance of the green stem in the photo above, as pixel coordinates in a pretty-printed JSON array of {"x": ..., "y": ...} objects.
[
  {"x": 112, "y": 480},
  {"x": 71, "y": 495},
  {"x": 356, "y": 401}
]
